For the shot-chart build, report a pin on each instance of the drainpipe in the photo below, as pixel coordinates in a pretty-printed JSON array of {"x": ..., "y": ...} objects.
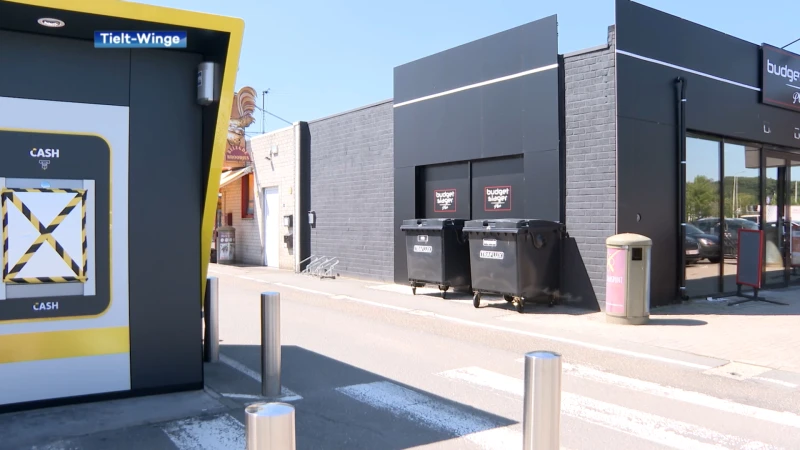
[
  {"x": 298, "y": 219},
  {"x": 680, "y": 90}
]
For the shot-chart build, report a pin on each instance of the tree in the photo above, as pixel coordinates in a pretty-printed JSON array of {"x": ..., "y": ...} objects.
[{"x": 702, "y": 198}]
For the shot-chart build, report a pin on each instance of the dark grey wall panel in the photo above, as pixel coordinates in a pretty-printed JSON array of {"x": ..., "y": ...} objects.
[
  {"x": 648, "y": 186},
  {"x": 506, "y": 118},
  {"x": 165, "y": 180},
  {"x": 543, "y": 185},
  {"x": 498, "y": 175},
  {"x": 440, "y": 130},
  {"x": 444, "y": 179},
  {"x": 352, "y": 190},
  {"x": 512, "y": 51},
  {"x": 68, "y": 70},
  {"x": 647, "y": 91},
  {"x": 648, "y": 32}
]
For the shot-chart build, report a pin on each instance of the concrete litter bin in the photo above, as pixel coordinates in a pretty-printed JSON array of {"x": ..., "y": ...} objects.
[{"x": 628, "y": 279}]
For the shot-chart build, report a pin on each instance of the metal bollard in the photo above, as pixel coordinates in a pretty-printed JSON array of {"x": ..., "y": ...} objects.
[
  {"x": 271, "y": 344},
  {"x": 541, "y": 422},
  {"x": 269, "y": 426},
  {"x": 211, "y": 316}
]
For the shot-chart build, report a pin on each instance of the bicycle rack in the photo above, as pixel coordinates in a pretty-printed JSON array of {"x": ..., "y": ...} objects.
[
  {"x": 314, "y": 262},
  {"x": 328, "y": 273},
  {"x": 321, "y": 266}
]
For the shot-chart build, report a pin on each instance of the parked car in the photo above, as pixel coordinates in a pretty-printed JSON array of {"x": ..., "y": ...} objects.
[
  {"x": 709, "y": 244},
  {"x": 710, "y": 225},
  {"x": 692, "y": 249}
]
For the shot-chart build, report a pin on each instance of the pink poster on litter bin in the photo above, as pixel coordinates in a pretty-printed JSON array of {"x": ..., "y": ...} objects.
[{"x": 616, "y": 269}]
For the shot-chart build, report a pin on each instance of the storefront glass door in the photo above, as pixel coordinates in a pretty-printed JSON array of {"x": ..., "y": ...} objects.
[
  {"x": 794, "y": 214},
  {"x": 781, "y": 226}
]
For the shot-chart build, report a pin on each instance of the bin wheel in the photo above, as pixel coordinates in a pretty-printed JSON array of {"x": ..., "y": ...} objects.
[
  {"x": 508, "y": 298},
  {"x": 413, "y": 290},
  {"x": 476, "y": 300},
  {"x": 519, "y": 305}
]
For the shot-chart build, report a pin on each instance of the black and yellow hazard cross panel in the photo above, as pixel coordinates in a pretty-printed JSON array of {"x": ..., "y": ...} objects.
[{"x": 11, "y": 274}]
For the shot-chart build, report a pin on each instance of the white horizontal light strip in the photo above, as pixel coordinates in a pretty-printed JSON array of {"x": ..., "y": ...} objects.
[
  {"x": 482, "y": 83},
  {"x": 702, "y": 74}
]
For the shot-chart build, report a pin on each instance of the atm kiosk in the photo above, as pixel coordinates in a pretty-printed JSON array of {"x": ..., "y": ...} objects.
[{"x": 110, "y": 164}]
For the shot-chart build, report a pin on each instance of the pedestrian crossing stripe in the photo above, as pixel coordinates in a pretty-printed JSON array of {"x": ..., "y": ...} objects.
[{"x": 10, "y": 276}]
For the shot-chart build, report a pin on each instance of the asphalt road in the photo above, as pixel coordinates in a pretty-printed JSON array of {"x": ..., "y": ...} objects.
[
  {"x": 373, "y": 367},
  {"x": 387, "y": 372}
]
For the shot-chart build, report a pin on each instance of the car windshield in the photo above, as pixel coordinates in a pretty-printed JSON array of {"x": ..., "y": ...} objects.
[{"x": 691, "y": 229}]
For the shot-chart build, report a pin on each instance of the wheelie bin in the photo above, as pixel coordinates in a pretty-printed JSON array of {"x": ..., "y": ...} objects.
[
  {"x": 519, "y": 259},
  {"x": 437, "y": 253}
]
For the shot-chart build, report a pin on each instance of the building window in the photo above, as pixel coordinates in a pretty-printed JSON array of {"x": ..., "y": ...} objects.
[
  {"x": 248, "y": 202},
  {"x": 703, "y": 253},
  {"x": 742, "y": 204}
]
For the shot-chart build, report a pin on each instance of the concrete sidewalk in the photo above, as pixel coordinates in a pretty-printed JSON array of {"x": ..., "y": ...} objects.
[{"x": 754, "y": 333}]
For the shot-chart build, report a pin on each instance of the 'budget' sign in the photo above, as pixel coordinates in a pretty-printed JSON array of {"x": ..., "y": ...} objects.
[{"x": 780, "y": 85}]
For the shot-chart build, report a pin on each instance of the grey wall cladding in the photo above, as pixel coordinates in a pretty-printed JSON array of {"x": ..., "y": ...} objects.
[
  {"x": 352, "y": 190},
  {"x": 591, "y": 155}
]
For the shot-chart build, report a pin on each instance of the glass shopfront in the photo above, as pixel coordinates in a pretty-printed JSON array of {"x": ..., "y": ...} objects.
[{"x": 749, "y": 186}]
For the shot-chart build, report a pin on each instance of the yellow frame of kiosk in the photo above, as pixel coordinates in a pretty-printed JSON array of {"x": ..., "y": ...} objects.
[{"x": 190, "y": 19}]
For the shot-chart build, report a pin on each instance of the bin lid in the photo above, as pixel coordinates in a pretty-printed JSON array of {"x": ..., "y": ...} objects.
[
  {"x": 432, "y": 224},
  {"x": 509, "y": 224},
  {"x": 629, "y": 239}
]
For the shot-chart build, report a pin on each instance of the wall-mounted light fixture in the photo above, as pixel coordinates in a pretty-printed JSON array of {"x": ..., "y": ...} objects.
[
  {"x": 312, "y": 216},
  {"x": 287, "y": 221},
  {"x": 51, "y": 22},
  {"x": 273, "y": 151}
]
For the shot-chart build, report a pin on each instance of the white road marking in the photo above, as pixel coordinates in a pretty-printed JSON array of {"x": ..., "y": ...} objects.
[
  {"x": 245, "y": 396},
  {"x": 219, "y": 433},
  {"x": 695, "y": 398},
  {"x": 471, "y": 323},
  {"x": 252, "y": 279},
  {"x": 369, "y": 302},
  {"x": 403, "y": 402},
  {"x": 297, "y": 288},
  {"x": 660, "y": 430},
  {"x": 421, "y": 312},
  {"x": 778, "y": 382},
  {"x": 60, "y": 445},
  {"x": 286, "y": 394}
]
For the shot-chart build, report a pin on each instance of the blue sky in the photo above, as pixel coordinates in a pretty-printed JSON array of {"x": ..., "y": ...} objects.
[{"x": 320, "y": 57}]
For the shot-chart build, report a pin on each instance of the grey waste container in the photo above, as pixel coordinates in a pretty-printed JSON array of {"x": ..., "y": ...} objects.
[
  {"x": 437, "y": 253},
  {"x": 226, "y": 245},
  {"x": 519, "y": 259}
]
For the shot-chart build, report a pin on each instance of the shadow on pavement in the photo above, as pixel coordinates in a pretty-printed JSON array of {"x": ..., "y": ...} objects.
[
  {"x": 677, "y": 322},
  {"x": 384, "y": 414}
]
